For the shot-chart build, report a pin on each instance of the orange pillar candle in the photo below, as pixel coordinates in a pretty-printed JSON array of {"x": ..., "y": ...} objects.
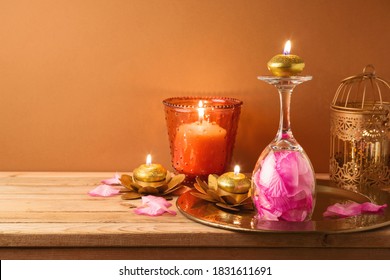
[
  {"x": 200, "y": 147},
  {"x": 201, "y": 134}
]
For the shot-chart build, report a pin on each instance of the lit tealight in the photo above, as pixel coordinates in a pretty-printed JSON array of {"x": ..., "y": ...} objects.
[
  {"x": 234, "y": 182},
  {"x": 286, "y": 64},
  {"x": 150, "y": 172}
]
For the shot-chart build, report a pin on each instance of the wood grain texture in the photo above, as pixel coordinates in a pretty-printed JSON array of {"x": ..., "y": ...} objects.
[
  {"x": 50, "y": 215},
  {"x": 200, "y": 253}
]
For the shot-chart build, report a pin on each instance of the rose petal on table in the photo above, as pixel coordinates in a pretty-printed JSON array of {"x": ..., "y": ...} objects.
[
  {"x": 352, "y": 209},
  {"x": 154, "y": 206},
  {"x": 104, "y": 190},
  {"x": 112, "y": 181}
]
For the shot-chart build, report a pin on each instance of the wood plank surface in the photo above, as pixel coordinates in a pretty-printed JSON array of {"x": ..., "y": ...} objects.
[
  {"x": 50, "y": 215},
  {"x": 200, "y": 253}
]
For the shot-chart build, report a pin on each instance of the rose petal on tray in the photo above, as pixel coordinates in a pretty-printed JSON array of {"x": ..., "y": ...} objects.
[
  {"x": 352, "y": 209},
  {"x": 104, "y": 190},
  {"x": 371, "y": 207},
  {"x": 112, "y": 181},
  {"x": 154, "y": 206}
]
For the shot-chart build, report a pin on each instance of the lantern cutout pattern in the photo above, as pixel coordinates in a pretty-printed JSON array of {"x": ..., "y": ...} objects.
[{"x": 359, "y": 132}]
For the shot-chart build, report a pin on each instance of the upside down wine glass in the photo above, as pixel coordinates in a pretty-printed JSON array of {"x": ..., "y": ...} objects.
[{"x": 283, "y": 181}]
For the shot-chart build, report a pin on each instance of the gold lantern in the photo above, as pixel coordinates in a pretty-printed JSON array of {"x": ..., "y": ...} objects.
[{"x": 359, "y": 132}]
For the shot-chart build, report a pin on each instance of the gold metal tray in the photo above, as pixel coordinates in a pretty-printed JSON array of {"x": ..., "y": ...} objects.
[{"x": 207, "y": 213}]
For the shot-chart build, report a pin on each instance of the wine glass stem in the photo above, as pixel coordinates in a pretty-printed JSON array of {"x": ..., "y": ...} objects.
[
  {"x": 284, "y": 131},
  {"x": 284, "y": 139}
]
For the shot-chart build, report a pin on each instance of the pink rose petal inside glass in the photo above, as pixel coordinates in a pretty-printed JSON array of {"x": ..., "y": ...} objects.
[
  {"x": 284, "y": 187},
  {"x": 154, "y": 206},
  {"x": 352, "y": 209}
]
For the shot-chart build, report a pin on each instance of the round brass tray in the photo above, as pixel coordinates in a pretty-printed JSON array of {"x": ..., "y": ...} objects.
[{"x": 207, "y": 213}]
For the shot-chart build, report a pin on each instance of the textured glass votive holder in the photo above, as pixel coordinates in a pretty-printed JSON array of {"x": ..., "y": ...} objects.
[{"x": 201, "y": 135}]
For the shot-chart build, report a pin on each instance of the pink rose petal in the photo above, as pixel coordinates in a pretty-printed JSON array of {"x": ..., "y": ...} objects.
[
  {"x": 281, "y": 203},
  {"x": 284, "y": 187},
  {"x": 287, "y": 167},
  {"x": 154, "y": 206},
  {"x": 352, "y": 209},
  {"x": 112, "y": 181},
  {"x": 371, "y": 207},
  {"x": 269, "y": 179},
  {"x": 103, "y": 190},
  {"x": 265, "y": 214},
  {"x": 295, "y": 215}
]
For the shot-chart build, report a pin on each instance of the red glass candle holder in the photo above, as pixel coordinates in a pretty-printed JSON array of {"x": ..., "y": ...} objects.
[{"x": 201, "y": 136}]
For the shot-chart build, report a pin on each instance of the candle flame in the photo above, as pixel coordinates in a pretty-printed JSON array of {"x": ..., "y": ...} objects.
[
  {"x": 201, "y": 111},
  {"x": 287, "y": 48},
  {"x": 236, "y": 170},
  {"x": 148, "y": 159}
]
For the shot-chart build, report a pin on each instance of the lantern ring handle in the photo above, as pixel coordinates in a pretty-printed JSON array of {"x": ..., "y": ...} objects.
[{"x": 369, "y": 72}]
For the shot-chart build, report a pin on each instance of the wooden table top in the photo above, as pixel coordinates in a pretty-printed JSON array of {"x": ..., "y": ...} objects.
[{"x": 49, "y": 215}]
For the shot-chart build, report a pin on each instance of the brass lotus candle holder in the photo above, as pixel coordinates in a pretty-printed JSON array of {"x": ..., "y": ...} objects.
[
  {"x": 150, "y": 179},
  {"x": 230, "y": 191},
  {"x": 135, "y": 189}
]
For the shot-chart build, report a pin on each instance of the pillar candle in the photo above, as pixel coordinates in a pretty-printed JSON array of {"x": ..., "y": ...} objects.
[{"x": 200, "y": 147}]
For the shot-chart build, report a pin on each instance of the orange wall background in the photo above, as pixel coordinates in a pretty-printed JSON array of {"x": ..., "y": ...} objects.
[{"x": 82, "y": 82}]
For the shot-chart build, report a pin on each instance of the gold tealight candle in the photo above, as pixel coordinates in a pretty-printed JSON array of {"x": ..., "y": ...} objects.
[
  {"x": 286, "y": 64},
  {"x": 234, "y": 182},
  {"x": 150, "y": 172}
]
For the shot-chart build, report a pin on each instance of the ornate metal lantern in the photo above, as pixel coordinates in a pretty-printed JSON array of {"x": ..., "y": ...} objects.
[{"x": 359, "y": 132}]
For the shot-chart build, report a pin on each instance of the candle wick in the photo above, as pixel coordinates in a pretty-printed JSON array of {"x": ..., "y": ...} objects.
[
  {"x": 287, "y": 48},
  {"x": 236, "y": 170},
  {"x": 201, "y": 114},
  {"x": 149, "y": 160}
]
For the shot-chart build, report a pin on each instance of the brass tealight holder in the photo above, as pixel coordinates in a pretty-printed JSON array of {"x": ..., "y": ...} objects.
[
  {"x": 230, "y": 191},
  {"x": 135, "y": 189},
  {"x": 359, "y": 132},
  {"x": 150, "y": 178}
]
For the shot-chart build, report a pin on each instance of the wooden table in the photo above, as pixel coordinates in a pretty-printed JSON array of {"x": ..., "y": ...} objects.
[{"x": 50, "y": 216}]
